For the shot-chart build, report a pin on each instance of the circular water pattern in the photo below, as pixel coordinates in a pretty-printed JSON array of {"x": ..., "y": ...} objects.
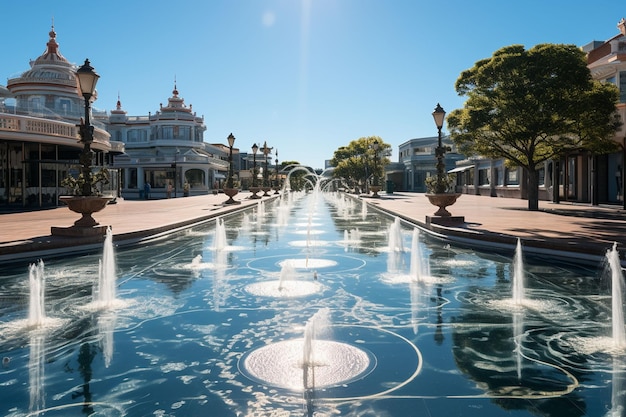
[
  {"x": 281, "y": 364},
  {"x": 284, "y": 289}
]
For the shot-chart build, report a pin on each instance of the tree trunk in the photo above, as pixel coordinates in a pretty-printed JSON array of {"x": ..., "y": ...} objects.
[{"x": 533, "y": 189}]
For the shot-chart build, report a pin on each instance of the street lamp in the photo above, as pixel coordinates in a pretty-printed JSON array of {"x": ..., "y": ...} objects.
[
  {"x": 254, "y": 188},
  {"x": 229, "y": 190},
  {"x": 231, "y": 142},
  {"x": 87, "y": 80},
  {"x": 255, "y": 148},
  {"x": 439, "y": 114},
  {"x": 277, "y": 180},
  {"x": 84, "y": 200},
  {"x": 437, "y": 193},
  {"x": 266, "y": 186}
]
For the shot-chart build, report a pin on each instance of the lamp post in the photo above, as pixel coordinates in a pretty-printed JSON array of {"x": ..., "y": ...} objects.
[
  {"x": 439, "y": 115},
  {"x": 229, "y": 190},
  {"x": 254, "y": 189},
  {"x": 85, "y": 201},
  {"x": 439, "y": 196},
  {"x": 266, "y": 186},
  {"x": 87, "y": 80},
  {"x": 277, "y": 179}
]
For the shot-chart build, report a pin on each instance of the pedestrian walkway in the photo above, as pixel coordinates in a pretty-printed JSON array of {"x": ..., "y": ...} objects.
[{"x": 571, "y": 230}]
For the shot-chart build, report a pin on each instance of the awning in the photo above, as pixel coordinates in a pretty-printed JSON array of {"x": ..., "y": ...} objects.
[{"x": 460, "y": 169}]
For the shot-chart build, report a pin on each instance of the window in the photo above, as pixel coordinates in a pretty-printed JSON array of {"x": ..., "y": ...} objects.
[
  {"x": 512, "y": 177},
  {"x": 483, "y": 176},
  {"x": 622, "y": 86}
]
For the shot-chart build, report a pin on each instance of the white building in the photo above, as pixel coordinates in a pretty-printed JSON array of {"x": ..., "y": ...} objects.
[
  {"x": 39, "y": 136},
  {"x": 166, "y": 149}
]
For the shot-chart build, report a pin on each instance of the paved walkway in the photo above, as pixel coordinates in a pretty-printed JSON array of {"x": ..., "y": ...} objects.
[{"x": 572, "y": 230}]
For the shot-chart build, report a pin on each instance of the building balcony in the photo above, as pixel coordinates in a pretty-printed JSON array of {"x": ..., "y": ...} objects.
[{"x": 33, "y": 129}]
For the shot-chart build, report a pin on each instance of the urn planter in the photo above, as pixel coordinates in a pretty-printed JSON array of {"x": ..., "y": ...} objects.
[
  {"x": 254, "y": 191},
  {"x": 443, "y": 200},
  {"x": 231, "y": 192},
  {"x": 86, "y": 225},
  {"x": 375, "y": 189}
]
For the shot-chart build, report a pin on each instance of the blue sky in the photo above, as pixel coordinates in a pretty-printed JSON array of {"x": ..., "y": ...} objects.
[{"x": 307, "y": 76}]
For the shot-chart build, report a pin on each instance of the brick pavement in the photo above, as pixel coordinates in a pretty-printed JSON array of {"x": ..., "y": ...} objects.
[{"x": 571, "y": 230}]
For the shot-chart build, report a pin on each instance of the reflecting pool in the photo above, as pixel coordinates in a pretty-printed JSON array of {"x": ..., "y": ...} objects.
[{"x": 312, "y": 304}]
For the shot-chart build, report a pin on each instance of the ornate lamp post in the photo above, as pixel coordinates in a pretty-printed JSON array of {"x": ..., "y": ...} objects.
[
  {"x": 229, "y": 190},
  {"x": 87, "y": 80},
  {"x": 266, "y": 186},
  {"x": 439, "y": 114},
  {"x": 277, "y": 178},
  {"x": 255, "y": 188},
  {"x": 85, "y": 201},
  {"x": 439, "y": 195}
]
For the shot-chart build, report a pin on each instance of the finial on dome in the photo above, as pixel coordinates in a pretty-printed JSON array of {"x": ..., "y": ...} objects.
[
  {"x": 52, "y": 33},
  {"x": 119, "y": 103},
  {"x": 175, "y": 91}
]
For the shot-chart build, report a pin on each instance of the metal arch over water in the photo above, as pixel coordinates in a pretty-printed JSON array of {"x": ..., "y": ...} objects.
[{"x": 430, "y": 329}]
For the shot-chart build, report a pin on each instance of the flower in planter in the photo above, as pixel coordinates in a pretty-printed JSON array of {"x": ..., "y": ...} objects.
[
  {"x": 75, "y": 184},
  {"x": 437, "y": 185}
]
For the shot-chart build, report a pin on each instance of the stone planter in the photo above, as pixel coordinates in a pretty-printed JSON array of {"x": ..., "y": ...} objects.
[
  {"x": 375, "y": 189},
  {"x": 86, "y": 225},
  {"x": 231, "y": 192},
  {"x": 255, "y": 190},
  {"x": 85, "y": 206},
  {"x": 266, "y": 191},
  {"x": 442, "y": 201}
]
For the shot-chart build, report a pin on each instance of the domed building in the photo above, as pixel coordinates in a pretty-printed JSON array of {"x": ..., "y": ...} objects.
[
  {"x": 167, "y": 151},
  {"x": 39, "y": 136}
]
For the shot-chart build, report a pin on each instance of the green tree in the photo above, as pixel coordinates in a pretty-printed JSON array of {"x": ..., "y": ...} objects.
[
  {"x": 530, "y": 106},
  {"x": 363, "y": 160}
]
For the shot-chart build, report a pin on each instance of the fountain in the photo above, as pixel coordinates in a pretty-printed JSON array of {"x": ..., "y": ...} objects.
[
  {"x": 243, "y": 333},
  {"x": 309, "y": 363},
  {"x": 363, "y": 210},
  {"x": 395, "y": 247},
  {"x": 617, "y": 300},
  {"x": 313, "y": 331},
  {"x": 36, "y": 305},
  {"x": 518, "y": 275},
  {"x": 219, "y": 241},
  {"x": 287, "y": 272},
  {"x": 420, "y": 267},
  {"x": 105, "y": 291}
]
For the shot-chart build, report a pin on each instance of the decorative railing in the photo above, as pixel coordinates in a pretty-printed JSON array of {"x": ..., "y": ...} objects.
[{"x": 44, "y": 127}]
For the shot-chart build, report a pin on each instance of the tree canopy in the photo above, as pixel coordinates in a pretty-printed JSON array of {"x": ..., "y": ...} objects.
[
  {"x": 530, "y": 106},
  {"x": 362, "y": 160}
]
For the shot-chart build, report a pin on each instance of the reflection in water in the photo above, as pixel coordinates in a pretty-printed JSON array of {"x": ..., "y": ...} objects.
[
  {"x": 36, "y": 371},
  {"x": 86, "y": 354},
  {"x": 618, "y": 396},
  {"x": 106, "y": 329},
  {"x": 439, "y": 329}
]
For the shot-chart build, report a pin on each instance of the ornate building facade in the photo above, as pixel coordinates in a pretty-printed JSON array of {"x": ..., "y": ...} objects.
[
  {"x": 167, "y": 151},
  {"x": 39, "y": 137}
]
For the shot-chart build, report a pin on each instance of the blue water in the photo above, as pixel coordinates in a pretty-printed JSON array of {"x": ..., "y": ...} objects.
[{"x": 175, "y": 344}]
